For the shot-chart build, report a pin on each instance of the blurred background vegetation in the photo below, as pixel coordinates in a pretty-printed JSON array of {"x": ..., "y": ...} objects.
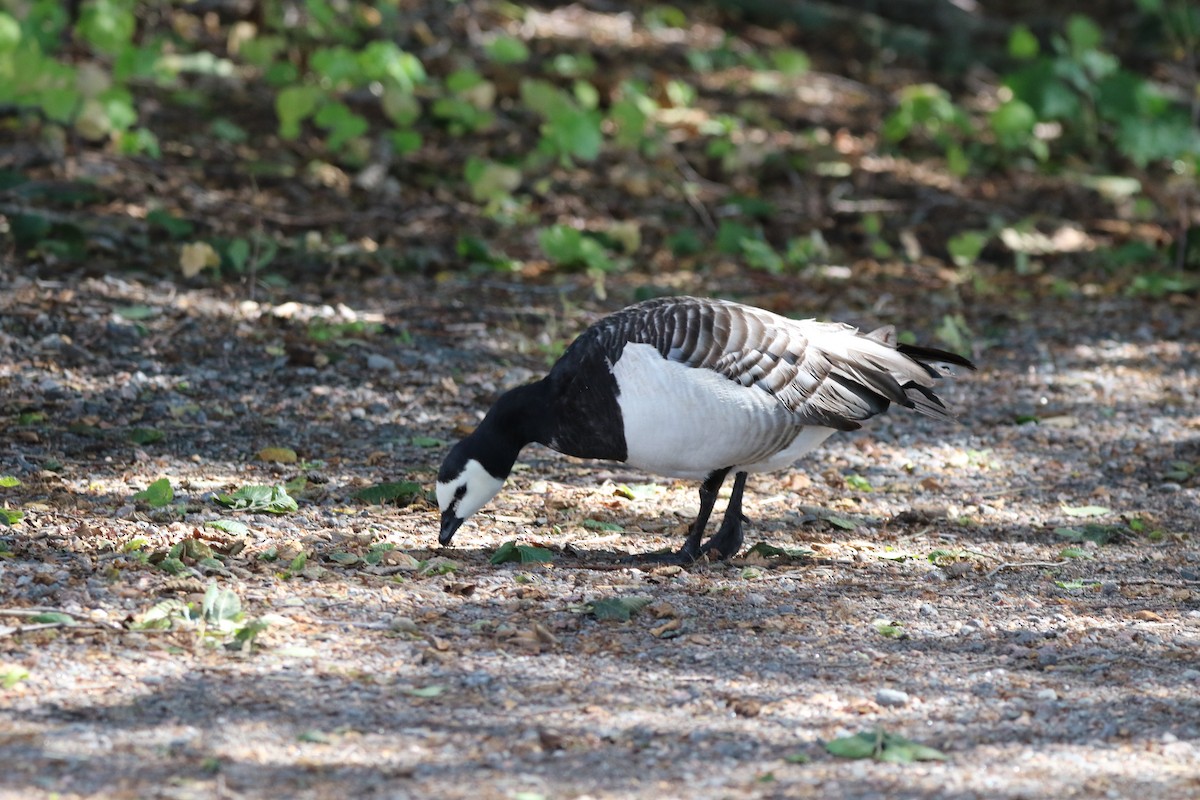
[{"x": 1012, "y": 147}]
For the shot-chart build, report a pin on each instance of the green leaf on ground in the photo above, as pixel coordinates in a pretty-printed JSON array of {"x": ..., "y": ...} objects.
[
  {"x": 1091, "y": 532},
  {"x": 296, "y": 566},
  {"x": 1086, "y": 511},
  {"x": 145, "y": 435},
  {"x": 53, "y": 618},
  {"x": 11, "y": 675},
  {"x": 400, "y": 492},
  {"x": 883, "y": 746},
  {"x": 507, "y": 50},
  {"x": 314, "y": 737},
  {"x": 771, "y": 551},
  {"x": 597, "y": 525},
  {"x": 157, "y": 494},
  {"x": 230, "y": 526},
  {"x": 840, "y": 522},
  {"x": 522, "y": 553},
  {"x": 161, "y": 616},
  {"x": 619, "y": 608},
  {"x": 175, "y": 227},
  {"x": 375, "y": 552},
  {"x": 432, "y": 690},
  {"x": 137, "y": 312},
  {"x": 345, "y": 559},
  {"x": 438, "y": 565},
  {"x": 637, "y": 491},
  {"x": 10, "y": 516},
  {"x": 858, "y": 483},
  {"x": 220, "y": 605},
  {"x": 426, "y": 441},
  {"x": 173, "y": 566},
  {"x": 8, "y": 481},
  {"x": 1077, "y": 584},
  {"x": 271, "y": 499},
  {"x": 891, "y": 630}
]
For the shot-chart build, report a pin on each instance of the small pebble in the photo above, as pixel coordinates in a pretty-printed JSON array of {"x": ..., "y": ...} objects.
[
  {"x": 928, "y": 610},
  {"x": 1047, "y": 655},
  {"x": 1047, "y": 694},
  {"x": 1190, "y": 674},
  {"x": 891, "y": 697},
  {"x": 378, "y": 362},
  {"x": 472, "y": 679}
]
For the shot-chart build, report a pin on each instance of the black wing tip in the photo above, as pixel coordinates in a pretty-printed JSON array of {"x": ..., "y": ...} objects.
[{"x": 920, "y": 353}]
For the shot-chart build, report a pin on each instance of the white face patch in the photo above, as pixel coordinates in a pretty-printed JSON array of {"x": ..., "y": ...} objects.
[{"x": 469, "y": 491}]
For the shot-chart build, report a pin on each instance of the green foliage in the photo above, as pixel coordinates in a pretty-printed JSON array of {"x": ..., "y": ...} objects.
[
  {"x": 569, "y": 130},
  {"x": 401, "y": 493},
  {"x": 619, "y": 608},
  {"x": 271, "y": 499},
  {"x": 1083, "y": 87},
  {"x": 507, "y": 50},
  {"x": 965, "y": 247},
  {"x": 566, "y": 246},
  {"x": 521, "y": 553},
  {"x": 229, "y": 526},
  {"x": 858, "y": 483},
  {"x": 217, "y": 619},
  {"x": 883, "y": 746},
  {"x": 955, "y": 333},
  {"x": 927, "y": 111},
  {"x": 490, "y": 181},
  {"x": 157, "y": 494},
  {"x": 11, "y": 675}
]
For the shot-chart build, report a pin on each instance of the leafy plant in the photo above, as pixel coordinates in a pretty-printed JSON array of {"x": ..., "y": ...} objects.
[
  {"x": 927, "y": 111},
  {"x": 11, "y": 675},
  {"x": 569, "y": 130},
  {"x": 619, "y": 608},
  {"x": 145, "y": 435},
  {"x": 858, "y": 483},
  {"x": 157, "y": 494},
  {"x": 771, "y": 551},
  {"x": 883, "y": 746},
  {"x": 570, "y": 247},
  {"x": 271, "y": 499},
  {"x": 229, "y": 526},
  {"x": 217, "y": 618},
  {"x": 1083, "y": 87},
  {"x": 891, "y": 630},
  {"x": 521, "y": 553},
  {"x": 402, "y": 493}
]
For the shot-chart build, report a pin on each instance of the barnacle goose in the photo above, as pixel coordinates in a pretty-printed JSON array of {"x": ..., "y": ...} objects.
[{"x": 694, "y": 388}]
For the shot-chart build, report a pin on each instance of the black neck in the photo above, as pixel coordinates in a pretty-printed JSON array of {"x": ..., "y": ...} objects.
[{"x": 519, "y": 417}]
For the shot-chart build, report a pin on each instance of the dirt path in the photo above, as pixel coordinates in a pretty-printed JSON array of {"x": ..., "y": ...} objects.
[{"x": 958, "y": 602}]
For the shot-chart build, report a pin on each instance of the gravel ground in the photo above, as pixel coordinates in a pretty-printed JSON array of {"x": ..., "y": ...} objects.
[{"x": 962, "y": 601}]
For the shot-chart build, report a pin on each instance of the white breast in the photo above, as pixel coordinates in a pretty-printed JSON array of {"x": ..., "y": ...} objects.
[{"x": 686, "y": 421}]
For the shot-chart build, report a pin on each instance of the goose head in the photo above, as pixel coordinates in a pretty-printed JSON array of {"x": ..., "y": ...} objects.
[{"x": 465, "y": 485}]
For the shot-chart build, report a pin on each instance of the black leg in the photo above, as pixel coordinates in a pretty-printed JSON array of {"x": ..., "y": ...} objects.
[
  {"x": 728, "y": 540},
  {"x": 691, "y": 548}
]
